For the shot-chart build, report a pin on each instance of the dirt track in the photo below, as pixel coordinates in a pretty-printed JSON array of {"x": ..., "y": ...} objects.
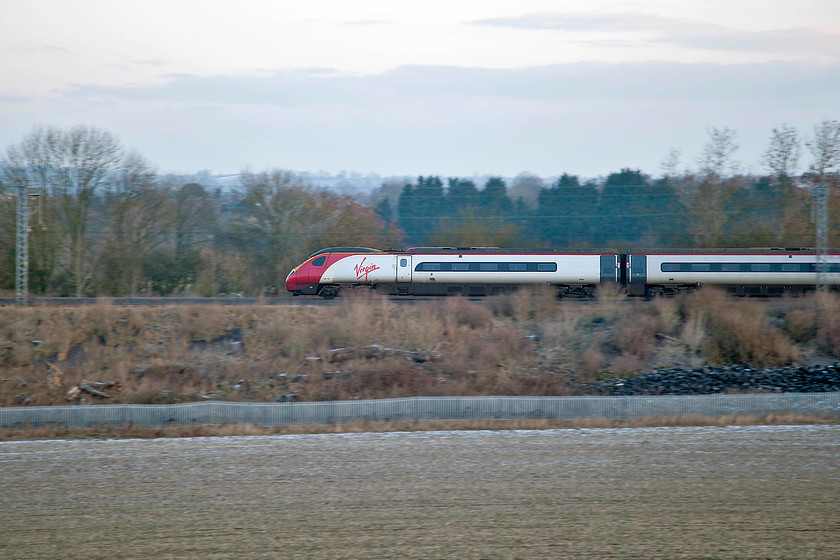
[{"x": 738, "y": 492}]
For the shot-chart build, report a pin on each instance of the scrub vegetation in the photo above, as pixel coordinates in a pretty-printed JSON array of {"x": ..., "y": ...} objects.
[{"x": 365, "y": 346}]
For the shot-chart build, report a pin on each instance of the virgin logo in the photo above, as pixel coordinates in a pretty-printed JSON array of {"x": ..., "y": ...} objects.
[{"x": 362, "y": 270}]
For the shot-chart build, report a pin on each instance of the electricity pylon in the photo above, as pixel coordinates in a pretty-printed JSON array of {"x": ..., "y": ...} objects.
[
  {"x": 22, "y": 245},
  {"x": 821, "y": 207},
  {"x": 25, "y": 195}
]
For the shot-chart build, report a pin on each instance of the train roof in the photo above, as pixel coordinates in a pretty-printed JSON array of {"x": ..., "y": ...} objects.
[
  {"x": 345, "y": 250},
  {"x": 724, "y": 251},
  {"x": 504, "y": 250},
  {"x": 589, "y": 251}
]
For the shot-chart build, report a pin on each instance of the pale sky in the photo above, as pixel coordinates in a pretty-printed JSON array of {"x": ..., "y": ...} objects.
[{"x": 451, "y": 88}]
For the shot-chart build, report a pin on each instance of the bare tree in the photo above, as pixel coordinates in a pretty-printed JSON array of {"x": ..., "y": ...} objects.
[
  {"x": 194, "y": 219},
  {"x": 283, "y": 219},
  {"x": 72, "y": 165},
  {"x": 824, "y": 146},
  {"x": 718, "y": 158},
  {"x": 670, "y": 163},
  {"x": 782, "y": 156},
  {"x": 135, "y": 219}
]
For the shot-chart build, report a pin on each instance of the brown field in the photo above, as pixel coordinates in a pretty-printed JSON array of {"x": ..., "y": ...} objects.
[{"x": 689, "y": 492}]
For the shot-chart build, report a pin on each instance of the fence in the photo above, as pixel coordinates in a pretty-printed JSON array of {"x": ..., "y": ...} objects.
[{"x": 423, "y": 408}]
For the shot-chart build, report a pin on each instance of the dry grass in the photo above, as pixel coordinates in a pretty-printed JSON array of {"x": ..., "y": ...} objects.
[
  {"x": 225, "y": 430},
  {"x": 526, "y": 343},
  {"x": 737, "y": 330}
]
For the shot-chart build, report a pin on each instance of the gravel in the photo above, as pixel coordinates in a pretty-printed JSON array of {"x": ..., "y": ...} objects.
[{"x": 726, "y": 379}]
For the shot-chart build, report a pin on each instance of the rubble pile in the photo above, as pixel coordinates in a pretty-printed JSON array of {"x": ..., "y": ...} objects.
[{"x": 725, "y": 379}]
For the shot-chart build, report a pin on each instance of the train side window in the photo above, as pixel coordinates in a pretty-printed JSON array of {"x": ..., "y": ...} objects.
[
  {"x": 488, "y": 267},
  {"x": 403, "y": 262},
  {"x": 460, "y": 267},
  {"x": 428, "y": 267},
  {"x": 813, "y": 267},
  {"x": 670, "y": 267},
  {"x": 320, "y": 261},
  {"x": 546, "y": 267},
  {"x": 517, "y": 267},
  {"x": 760, "y": 267},
  {"x": 701, "y": 267},
  {"x": 730, "y": 267},
  {"x": 790, "y": 267}
]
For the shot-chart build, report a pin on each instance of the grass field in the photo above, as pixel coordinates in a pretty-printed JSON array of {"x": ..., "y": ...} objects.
[{"x": 689, "y": 492}]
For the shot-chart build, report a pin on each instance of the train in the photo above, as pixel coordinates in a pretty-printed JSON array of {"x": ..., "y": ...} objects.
[{"x": 481, "y": 271}]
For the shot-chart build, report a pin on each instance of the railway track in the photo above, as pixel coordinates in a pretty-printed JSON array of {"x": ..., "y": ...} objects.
[
  {"x": 280, "y": 301},
  {"x": 158, "y": 301}
]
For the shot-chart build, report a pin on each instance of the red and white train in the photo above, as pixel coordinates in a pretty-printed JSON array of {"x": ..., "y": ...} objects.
[{"x": 489, "y": 270}]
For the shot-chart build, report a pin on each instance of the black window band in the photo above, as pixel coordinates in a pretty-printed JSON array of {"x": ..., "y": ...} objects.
[{"x": 486, "y": 267}]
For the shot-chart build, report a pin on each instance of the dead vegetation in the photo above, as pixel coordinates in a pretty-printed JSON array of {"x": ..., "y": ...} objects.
[
  {"x": 525, "y": 343},
  {"x": 226, "y": 430}
]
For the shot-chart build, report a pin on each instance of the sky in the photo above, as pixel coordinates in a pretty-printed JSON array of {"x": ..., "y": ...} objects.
[{"x": 450, "y": 88}]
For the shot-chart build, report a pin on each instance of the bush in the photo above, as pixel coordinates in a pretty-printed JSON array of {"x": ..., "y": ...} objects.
[{"x": 737, "y": 330}]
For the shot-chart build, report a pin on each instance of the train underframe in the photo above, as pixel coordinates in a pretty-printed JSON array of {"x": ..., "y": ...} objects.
[
  {"x": 330, "y": 291},
  {"x": 744, "y": 290}
]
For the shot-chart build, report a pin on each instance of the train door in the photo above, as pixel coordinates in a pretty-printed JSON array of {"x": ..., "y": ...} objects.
[
  {"x": 403, "y": 268},
  {"x": 610, "y": 269},
  {"x": 637, "y": 275}
]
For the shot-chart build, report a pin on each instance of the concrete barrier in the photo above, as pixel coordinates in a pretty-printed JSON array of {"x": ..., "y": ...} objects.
[{"x": 422, "y": 408}]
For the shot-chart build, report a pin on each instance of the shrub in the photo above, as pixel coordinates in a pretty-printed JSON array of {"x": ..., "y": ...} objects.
[
  {"x": 737, "y": 330},
  {"x": 827, "y": 331},
  {"x": 636, "y": 334}
]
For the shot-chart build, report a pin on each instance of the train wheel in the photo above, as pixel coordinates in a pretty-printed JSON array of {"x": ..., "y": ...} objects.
[{"x": 329, "y": 292}]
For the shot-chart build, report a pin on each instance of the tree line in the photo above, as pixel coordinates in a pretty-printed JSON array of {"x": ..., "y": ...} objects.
[
  {"x": 104, "y": 223},
  {"x": 715, "y": 206}
]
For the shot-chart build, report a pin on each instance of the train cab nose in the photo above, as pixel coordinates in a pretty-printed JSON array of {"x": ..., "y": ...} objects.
[
  {"x": 304, "y": 279},
  {"x": 292, "y": 281}
]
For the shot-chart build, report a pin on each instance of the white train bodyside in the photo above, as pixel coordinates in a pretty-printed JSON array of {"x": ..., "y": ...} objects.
[{"x": 785, "y": 269}]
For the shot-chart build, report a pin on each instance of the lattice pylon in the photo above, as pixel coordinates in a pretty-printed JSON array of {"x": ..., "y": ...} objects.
[
  {"x": 821, "y": 204},
  {"x": 22, "y": 245}
]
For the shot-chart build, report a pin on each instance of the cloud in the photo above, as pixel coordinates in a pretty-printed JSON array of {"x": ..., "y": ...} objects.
[
  {"x": 149, "y": 62},
  {"x": 581, "y": 22},
  {"x": 291, "y": 89},
  {"x": 586, "y": 118},
  {"x": 367, "y": 22},
  {"x": 686, "y": 33},
  {"x": 577, "y": 81},
  {"x": 48, "y": 49},
  {"x": 9, "y": 98}
]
